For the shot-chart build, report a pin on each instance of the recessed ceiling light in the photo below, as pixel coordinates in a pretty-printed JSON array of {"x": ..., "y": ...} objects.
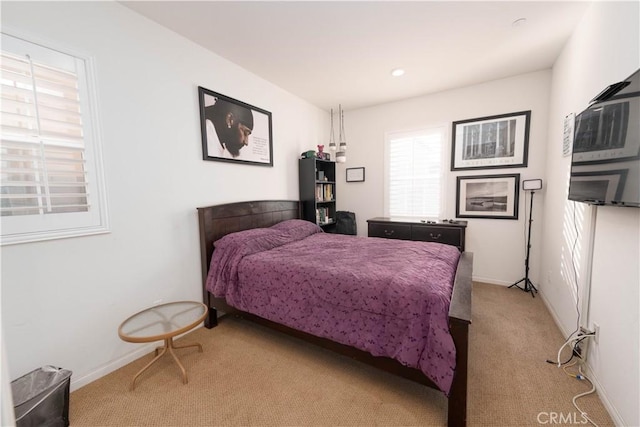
[
  {"x": 519, "y": 22},
  {"x": 397, "y": 72}
]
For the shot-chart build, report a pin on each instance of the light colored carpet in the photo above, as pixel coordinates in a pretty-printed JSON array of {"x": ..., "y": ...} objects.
[{"x": 251, "y": 376}]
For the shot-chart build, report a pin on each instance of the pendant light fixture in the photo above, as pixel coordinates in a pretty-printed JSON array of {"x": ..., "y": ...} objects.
[
  {"x": 341, "y": 155},
  {"x": 332, "y": 136}
]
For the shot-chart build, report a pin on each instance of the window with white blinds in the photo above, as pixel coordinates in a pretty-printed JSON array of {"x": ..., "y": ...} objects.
[
  {"x": 413, "y": 173},
  {"x": 49, "y": 153}
]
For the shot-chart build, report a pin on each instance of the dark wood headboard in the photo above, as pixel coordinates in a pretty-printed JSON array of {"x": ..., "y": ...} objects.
[{"x": 220, "y": 220}]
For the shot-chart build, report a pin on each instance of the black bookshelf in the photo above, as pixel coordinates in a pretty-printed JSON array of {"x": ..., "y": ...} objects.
[{"x": 317, "y": 180}]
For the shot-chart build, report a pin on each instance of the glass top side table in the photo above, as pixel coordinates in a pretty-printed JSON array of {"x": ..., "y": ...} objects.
[{"x": 163, "y": 322}]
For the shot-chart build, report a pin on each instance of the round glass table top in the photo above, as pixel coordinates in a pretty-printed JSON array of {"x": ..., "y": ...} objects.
[{"x": 162, "y": 321}]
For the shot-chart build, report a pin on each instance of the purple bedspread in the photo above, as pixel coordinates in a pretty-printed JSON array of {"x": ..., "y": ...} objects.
[{"x": 387, "y": 297}]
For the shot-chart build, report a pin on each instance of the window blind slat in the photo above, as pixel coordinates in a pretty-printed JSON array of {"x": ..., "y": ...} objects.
[
  {"x": 56, "y": 129},
  {"x": 57, "y": 78},
  {"x": 61, "y": 115},
  {"x": 58, "y": 103},
  {"x": 17, "y": 107},
  {"x": 7, "y": 196},
  {"x": 20, "y": 79},
  {"x": 18, "y": 125},
  {"x": 35, "y": 184},
  {"x": 15, "y": 63},
  {"x": 21, "y": 96}
]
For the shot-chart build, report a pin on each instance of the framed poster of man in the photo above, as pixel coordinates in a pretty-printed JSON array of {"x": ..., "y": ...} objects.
[{"x": 234, "y": 131}]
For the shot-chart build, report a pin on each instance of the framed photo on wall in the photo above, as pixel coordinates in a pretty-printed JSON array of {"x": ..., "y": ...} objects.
[
  {"x": 355, "y": 174},
  {"x": 488, "y": 196},
  {"x": 500, "y": 141},
  {"x": 234, "y": 131}
]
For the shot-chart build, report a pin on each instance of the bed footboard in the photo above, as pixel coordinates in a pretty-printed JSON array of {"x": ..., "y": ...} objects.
[{"x": 459, "y": 321}]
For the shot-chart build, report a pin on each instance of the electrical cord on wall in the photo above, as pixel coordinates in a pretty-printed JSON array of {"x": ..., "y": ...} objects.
[
  {"x": 575, "y": 282},
  {"x": 574, "y": 340},
  {"x": 575, "y": 271},
  {"x": 580, "y": 375},
  {"x": 574, "y": 343},
  {"x": 574, "y": 351}
]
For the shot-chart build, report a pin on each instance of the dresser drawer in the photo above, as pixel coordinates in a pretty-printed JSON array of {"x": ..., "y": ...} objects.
[
  {"x": 390, "y": 231},
  {"x": 446, "y": 235}
]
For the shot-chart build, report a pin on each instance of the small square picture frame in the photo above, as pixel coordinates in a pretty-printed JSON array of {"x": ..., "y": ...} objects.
[{"x": 355, "y": 174}]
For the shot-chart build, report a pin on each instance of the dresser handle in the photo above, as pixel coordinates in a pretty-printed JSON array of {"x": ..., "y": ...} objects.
[
  {"x": 388, "y": 232},
  {"x": 435, "y": 237}
]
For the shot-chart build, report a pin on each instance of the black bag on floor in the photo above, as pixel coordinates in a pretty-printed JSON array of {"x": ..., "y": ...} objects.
[{"x": 346, "y": 223}]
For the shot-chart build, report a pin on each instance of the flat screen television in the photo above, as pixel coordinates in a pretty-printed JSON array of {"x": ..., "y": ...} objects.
[{"x": 605, "y": 162}]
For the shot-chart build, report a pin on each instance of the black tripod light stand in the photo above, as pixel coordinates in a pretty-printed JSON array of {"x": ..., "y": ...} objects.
[{"x": 530, "y": 184}]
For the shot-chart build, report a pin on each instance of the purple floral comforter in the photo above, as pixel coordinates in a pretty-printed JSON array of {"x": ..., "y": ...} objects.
[{"x": 387, "y": 297}]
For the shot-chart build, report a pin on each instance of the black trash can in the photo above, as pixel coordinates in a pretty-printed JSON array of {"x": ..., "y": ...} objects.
[
  {"x": 41, "y": 398},
  {"x": 346, "y": 223}
]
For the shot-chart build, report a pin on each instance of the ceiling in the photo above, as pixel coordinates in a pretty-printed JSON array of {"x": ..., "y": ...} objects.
[{"x": 339, "y": 52}]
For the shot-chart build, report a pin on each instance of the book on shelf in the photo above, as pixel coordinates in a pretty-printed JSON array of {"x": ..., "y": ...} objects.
[
  {"x": 322, "y": 216},
  {"x": 319, "y": 193},
  {"x": 324, "y": 192},
  {"x": 328, "y": 192}
]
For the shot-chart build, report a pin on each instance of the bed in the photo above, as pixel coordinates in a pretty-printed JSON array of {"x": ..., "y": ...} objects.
[{"x": 250, "y": 225}]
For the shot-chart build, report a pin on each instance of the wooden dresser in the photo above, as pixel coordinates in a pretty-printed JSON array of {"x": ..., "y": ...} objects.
[{"x": 450, "y": 233}]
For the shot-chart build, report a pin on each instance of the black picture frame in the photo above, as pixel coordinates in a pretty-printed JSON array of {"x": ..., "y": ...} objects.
[
  {"x": 603, "y": 133},
  {"x": 500, "y": 141},
  {"x": 234, "y": 131},
  {"x": 354, "y": 174},
  {"x": 601, "y": 185},
  {"x": 488, "y": 196}
]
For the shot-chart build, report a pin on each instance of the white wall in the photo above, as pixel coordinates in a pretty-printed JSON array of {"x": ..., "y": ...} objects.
[
  {"x": 62, "y": 301},
  {"x": 605, "y": 48},
  {"x": 498, "y": 245}
]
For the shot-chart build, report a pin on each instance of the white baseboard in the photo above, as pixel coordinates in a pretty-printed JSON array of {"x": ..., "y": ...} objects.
[
  {"x": 554, "y": 315},
  {"x": 490, "y": 281},
  {"x": 111, "y": 366},
  {"x": 118, "y": 363}
]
